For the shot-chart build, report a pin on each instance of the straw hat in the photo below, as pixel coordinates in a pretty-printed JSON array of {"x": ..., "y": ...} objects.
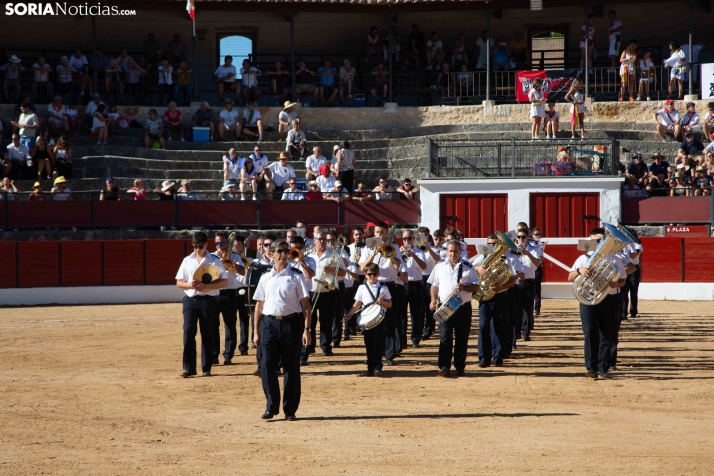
[
  {"x": 37, "y": 185},
  {"x": 167, "y": 184},
  {"x": 60, "y": 180},
  {"x": 14, "y": 59},
  {"x": 284, "y": 155},
  {"x": 311, "y": 183},
  {"x": 288, "y": 104}
]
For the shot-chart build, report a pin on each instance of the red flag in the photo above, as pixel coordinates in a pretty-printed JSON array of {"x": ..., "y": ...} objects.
[{"x": 191, "y": 9}]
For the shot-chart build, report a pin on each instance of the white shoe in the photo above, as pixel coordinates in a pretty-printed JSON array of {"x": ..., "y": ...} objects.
[
  {"x": 242, "y": 199},
  {"x": 255, "y": 198},
  {"x": 99, "y": 142},
  {"x": 648, "y": 98},
  {"x": 438, "y": 68},
  {"x": 638, "y": 99},
  {"x": 547, "y": 137},
  {"x": 582, "y": 137},
  {"x": 183, "y": 140},
  {"x": 163, "y": 148},
  {"x": 532, "y": 139}
]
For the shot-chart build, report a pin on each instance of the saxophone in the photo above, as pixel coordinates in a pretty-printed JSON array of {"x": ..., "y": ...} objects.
[
  {"x": 592, "y": 289},
  {"x": 495, "y": 264}
]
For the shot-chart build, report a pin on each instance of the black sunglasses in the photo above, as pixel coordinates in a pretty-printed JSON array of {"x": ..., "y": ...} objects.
[
  {"x": 372, "y": 274},
  {"x": 265, "y": 245},
  {"x": 522, "y": 236},
  {"x": 281, "y": 250},
  {"x": 198, "y": 247},
  {"x": 220, "y": 243}
]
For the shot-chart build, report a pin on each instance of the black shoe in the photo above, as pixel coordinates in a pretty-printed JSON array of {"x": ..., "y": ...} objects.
[
  {"x": 444, "y": 373},
  {"x": 228, "y": 362},
  {"x": 398, "y": 354},
  {"x": 483, "y": 365},
  {"x": 215, "y": 361},
  {"x": 378, "y": 373},
  {"x": 425, "y": 337},
  {"x": 346, "y": 337},
  {"x": 613, "y": 367},
  {"x": 415, "y": 345},
  {"x": 527, "y": 338},
  {"x": 243, "y": 352},
  {"x": 266, "y": 416},
  {"x": 304, "y": 362},
  {"x": 390, "y": 362},
  {"x": 460, "y": 373},
  {"x": 604, "y": 376},
  {"x": 311, "y": 351},
  {"x": 537, "y": 313},
  {"x": 366, "y": 361},
  {"x": 257, "y": 372},
  {"x": 367, "y": 374},
  {"x": 591, "y": 375},
  {"x": 633, "y": 315},
  {"x": 206, "y": 374},
  {"x": 290, "y": 417},
  {"x": 187, "y": 374},
  {"x": 498, "y": 363},
  {"x": 328, "y": 353},
  {"x": 335, "y": 344},
  {"x": 278, "y": 371}
]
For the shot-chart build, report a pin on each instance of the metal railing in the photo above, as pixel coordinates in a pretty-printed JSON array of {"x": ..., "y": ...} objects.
[{"x": 522, "y": 158}]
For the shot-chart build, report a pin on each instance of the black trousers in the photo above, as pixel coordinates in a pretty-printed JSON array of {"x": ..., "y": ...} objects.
[
  {"x": 538, "y": 282},
  {"x": 325, "y": 310},
  {"x": 429, "y": 323},
  {"x": 513, "y": 317},
  {"x": 339, "y": 314},
  {"x": 374, "y": 343},
  {"x": 400, "y": 323},
  {"x": 527, "y": 288},
  {"x": 492, "y": 314},
  {"x": 347, "y": 177},
  {"x": 392, "y": 344},
  {"x": 227, "y": 305},
  {"x": 280, "y": 344},
  {"x": 198, "y": 311},
  {"x": 633, "y": 287},
  {"x": 414, "y": 291},
  {"x": 598, "y": 322},
  {"x": 351, "y": 325},
  {"x": 244, "y": 318},
  {"x": 455, "y": 335}
]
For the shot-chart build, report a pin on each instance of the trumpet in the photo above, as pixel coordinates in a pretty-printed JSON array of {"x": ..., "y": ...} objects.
[
  {"x": 388, "y": 250},
  {"x": 295, "y": 254},
  {"x": 421, "y": 245}
]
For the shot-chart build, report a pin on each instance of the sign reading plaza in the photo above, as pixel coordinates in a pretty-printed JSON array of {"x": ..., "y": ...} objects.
[{"x": 62, "y": 8}]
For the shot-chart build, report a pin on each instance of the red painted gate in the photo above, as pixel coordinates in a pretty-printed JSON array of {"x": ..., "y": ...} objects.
[
  {"x": 560, "y": 215},
  {"x": 477, "y": 215}
]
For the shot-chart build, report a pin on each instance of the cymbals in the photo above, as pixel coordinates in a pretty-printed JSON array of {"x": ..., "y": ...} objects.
[{"x": 207, "y": 273}]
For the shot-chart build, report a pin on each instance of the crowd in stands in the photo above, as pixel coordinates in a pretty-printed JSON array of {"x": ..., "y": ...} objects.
[{"x": 688, "y": 175}]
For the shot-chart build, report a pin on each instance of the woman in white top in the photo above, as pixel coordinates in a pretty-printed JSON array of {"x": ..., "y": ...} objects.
[
  {"x": 646, "y": 75},
  {"x": 99, "y": 125},
  {"x": 344, "y": 168},
  {"x": 63, "y": 158},
  {"x": 537, "y": 109},
  {"x": 576, "y": 96},
  {"x": 248, "y": 177},
  {"x": 628, "y": 60},
  {"x": 678, "y": 63},
  {"x": 459, "y": 55}
]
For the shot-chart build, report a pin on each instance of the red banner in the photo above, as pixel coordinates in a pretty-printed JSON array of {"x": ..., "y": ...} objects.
[{"x": 524, "y": 83}]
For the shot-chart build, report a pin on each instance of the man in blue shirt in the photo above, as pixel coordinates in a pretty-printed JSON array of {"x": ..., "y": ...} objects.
[
  {"x": 659, "y": 166},
  {"x": 690, "y": 146},
  {"x": 327, "y": 82}
]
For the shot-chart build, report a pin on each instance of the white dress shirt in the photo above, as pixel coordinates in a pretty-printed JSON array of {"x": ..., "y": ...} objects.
[
  {"x": 412, "y": 268},
  {"x": 529, "y": 269},
  {"x": 513, "y": 264},
  {"x": 189, "y": 266},
  {"x": 308, "y": 261},
  {"x": 363, "y": 296},
  {"x": 445, "y": 277},
  {"x": 582, "y": 262},
  {"x": 430, "y": 262},
  {"x": 281, "y": 292},
  {"x": 320, "y": 263},
  {"x": 349, "y": 280},
  {"x": 232, "y": 276},
  {"x": 635, "y": 248},
  {"x": 387, "y": 271},
  {"x": 296, "y": 195}
]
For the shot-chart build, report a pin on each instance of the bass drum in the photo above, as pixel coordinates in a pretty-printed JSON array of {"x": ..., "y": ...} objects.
[{"x": 370, "y": 317}]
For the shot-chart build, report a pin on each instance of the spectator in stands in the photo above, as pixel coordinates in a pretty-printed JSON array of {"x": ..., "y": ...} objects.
[
  {"x": 167, "y": 191},
  {"x": 292, "y": 192},
  {"x": 182, "y": 88},
  {"x": 18, "y": 157},
  {"x": 37, "y": 194},
  {"x": 63, "y": 158},
  {"x": 344, "y": 167},
  {"x": 150, "y": 46},
  {"x": 77, "y": 62},
  {"x": 174, "y": 121},
  {"x": 614, "y": 35},
  {"x": 576, "y": 96},
  {"x": 100, "y": 61},
  {"x": 347, "y": 77},
  {"x": 232, "y": 165},
  {"x": 313, "y": 163},
  {"x": 396, "y": 45},
  {"x": 165, "y": 74},
  {"x": 372, "y": 44},
  {"x": 414, "y": 53},
  {"x": 552, "y": 120},
  {"x": 112, "y": 77},
  {"x": 185, "y": 192},
  {"x": 690, "y": 146},
  {"x": 337, "y": 193},
  {"x": 326, "y": 180},
  {"x": 249, "y": 88},
  {"x": 519, "y": 50},
  {"x": 445, "y": 81},
  {"x": 327, "y": 82},
  {"x": 628, "y": 63},
  {"x": 313, "y": 191},
  {"x": 670, "y": 121},
  {"x": 138, "y": 191},
  {"x": 92, "y": 108},
  {"x": 286, "y": 118},
  {"x": 637, "y": 170},
  {"x": 647, "y": 76},
  {"x": 703, "y": 182},
  {"x": 225, "y": 77},
  {"x": 280, "y": 173},
  {"x": 11, "y": 89},
  {"x": 279, "y": 79},
  {"x": 204, "y": 117},
  {"x": 418, "y": 36},
  {"x": 383, "y": 191},
  {"x": 303, "y": 81},
  {"x": 659, "y": 167},
  {"x": 631, "y": 188},
  {"x": 72, "y": 115},
  {"x": 434, "y": 52},
  {"x": 590, "y": 45},
  {"x": 177, "y": 50},
  {"x": 407, "y": 191},
  {"x": 228, "y": 119},
  {"x": 132, "y": 81},
  {"x": 296, "y": 142},
  {"x": 678, "y": 188},
  {"x": 501, "y": 55},
  {"x": 690, "y": 121},
  {"x": 65, "y": 81},
  {"x": 100, "y": 125},
  {"x": 248, "y": 178},
  {"x": 56, "y": 114},
  {"x": 361, "y": 194},
  {"x": 41, "y": 85},
  {"x": 61, "y": 192},
  {"x": 86, "y": 81},
  {"x": 658, "y": 186},
  {"x": 110, "y": 192},
  {"x": 260, "y": 160},
  {"x": 153, "y": 62},
  {"x": 43, "y": 158},
  {"x": 333, "y": 161},
  {"x": 381, "y": 82},
  {"x": 45, "y": 132},
  {"x": 123, "y": 59},
  {"x": 252, "y": 123},
  {"x": 27, "y": 124},
  {"x": 459, "y": 53},
  {"x": 227, "y": 192},
  {"x": 113, "y": 113},
  {"x": 678, "y": 62},
  {"x": 537, "y": 113},
  {"x": 708, "y": 123},
  {"x": 8, "y": 189},
  {"x": 480, "y": 53},
  {"x": 153, "y": 130}
]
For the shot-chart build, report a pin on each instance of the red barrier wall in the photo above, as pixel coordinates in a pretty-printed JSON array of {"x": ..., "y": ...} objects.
[
  {"x": 8, "y": 254},
  {"x": 566, "y": 254},
  {"x": 560, "y": 214},
  {"x": 38, "y": 264},
  {"x": 661, "y": 260},
  {"x": 666, "y": 210},
  {"x": 129, "y": 213},
  {"x": 217, "y": 213},
  {"x": 394, "y": 211},
  {"x": 124, "y": 263},
  {"x": 161, "y": 260},
  {"x": 81, "y": 263},
  {"x": 323, "y": 212},
  {"x": 698, "y": 259},
  {"x": 49, "y": 214}
]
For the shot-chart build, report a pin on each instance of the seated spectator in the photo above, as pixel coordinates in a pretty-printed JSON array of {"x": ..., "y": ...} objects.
[
  {"x": 185, "y": 192},
  {"x": 337, "y": 193},
  {"x": 61, "y": 192},
  {"x": 703, "y": 182},
  {"x": 372, "y": 43},
  {"x": 78, "y": 60},
  {"x": 459, "y": 54},
  {"x": 43, "y": 159},
  {"x": 690, "y": 120},
  {"x": 280, "y": 172},
  {"x": 225, "y": 78},
  {"x": 303, "y": 81},
  {"x": 45, "y": 132},
  {"x": 658, "y": 186},
  {"x": 41, "y": 85},
  {"x": 434, "y": 51},
  {"x": 11, "y": 79},
  {"x": 177, "y": 50},
  {"x": 132, "y": 81},
  {"x": 383, "y": 191},
  {"x": 348, "y": 73},
  {"x": 56, "y": 114},
  {"x": 249, "y": 88},
  {"x": 72, "y": 116},
  {"x": 18, "y": 159},
  {"x": 252, "y": 123},
  {"x": 313, "y": 191},
  {"x": 154, "y": 62},
  {"x": 113, "y": 77},
  {"x": 123, "y": 58},
  {"x": 501, "y": 55},
  {"x": 292, "y": 192},
  {"x": 396, "y": 45},
  {"x": 228, "y": 119},
  {"x": 445, "y": 81},
  {"x": 8, "y": 189},
  {"x": 313, "y": 163},
  {"x": 708, "y": 123},
  {"x": 99, "y": 61},
  {"x": 248, "y": 178},
  {"x": 407, "y": 191},
  {"x": 690, "y": 146},
  {"x": 86, "y": 81},
  {"x": 138, "y": 191},
  {"x": 631, "y": 187},
  {"x": 37, "y": 194},
  {"x": 670, "y": 120},
  {"x": 63, "y": 158},
  {"x": 110, "y": 193},
  {"x": 638, "y": 170},
  {"x": 100, "y": 124},
  {"x": 167, "y": 190},
  {"x": 519, "y": 50},
  {"x": 182, "y": 88},
  {"x": 296, "y": 142},
  {"x": 361, "y": 194},
  {"x": 286, "y": 118},
  {"x": 678, "y": 188},
  {"x": 227, "y": 192},
  {"x": 204, "y": 117},
  {"x": 381, "y": 82},
  {"x": 153, "y": 130},
  {"x": 326, "y": 180},
  {"x": 65, "y": 78},
  {"x": 279, "y": 81},
  {"x": 114, "y": 115},
  {"x": 150, "y": 46},
  {"x": 413, "y": 53},
  {"x": 232, "y": 165},
  {"x": 165, "y": 74},
  {"x": 260, "y": 160},
  {"x": 464, "y": 82},
  {"x": 92, "y": 108},
  {"x": 174, "y": 121},
  {"x": 551, "y": 120},
  {"x": 327, "y": 82},
  {"x": 659, "y": 166}
]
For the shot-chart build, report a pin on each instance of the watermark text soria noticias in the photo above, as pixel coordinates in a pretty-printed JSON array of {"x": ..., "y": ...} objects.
[{"x": 63, "y": 9}]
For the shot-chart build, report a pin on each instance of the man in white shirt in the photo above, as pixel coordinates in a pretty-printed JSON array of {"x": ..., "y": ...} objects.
[
  {"x": 667, "y": 120},
  {"x": 280, "y": 173},
  {"x": 249, "y": 87},
  {"x": 313, "y": 163},
  {"x": 482, "y": 45},
  {"x": 286, "y": 118},
  {"x": 434, "y": 52},
  {"x": 78, "y": 60},
  {"x": 415, "y": 264},
  {"x": 241, "y": 294},
  {"x": 531, "y": 257},
  {"x": 690, "y": 120},
  {"x": 614, "y": 36},
  {"x": 165, "y": 73},
  {"x": 251, "y": 124},
  {"x": 338, "y": 193},
  {"x": 228, "y": 119},
  {"x": 27, "y": 125},
  {"x": 326, "y": 181},
  {"x": 41, "y": 80},
  {"x": 292, "y": 192},
  {"x": 598, "y": 320},
  {"x": 225, "y": 77},
  {"x": 56, "y": 114},
  {"x": 18, "y": 156},
  {"x": 199, "y": 304},
  {"x": 458, "y": 276}
]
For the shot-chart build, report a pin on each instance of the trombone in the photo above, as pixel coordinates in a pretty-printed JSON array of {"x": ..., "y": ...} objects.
[
  {"x": 329, "y": 280},
  {"x": 228, "y": 263},
  {"x": 387, "y": 249}
]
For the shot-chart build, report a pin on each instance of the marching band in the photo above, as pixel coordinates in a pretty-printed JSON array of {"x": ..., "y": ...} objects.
[{"x": 369, "y": 285}]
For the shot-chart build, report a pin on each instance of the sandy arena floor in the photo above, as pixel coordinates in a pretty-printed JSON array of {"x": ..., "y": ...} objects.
[{"x": 95, "y": 390}]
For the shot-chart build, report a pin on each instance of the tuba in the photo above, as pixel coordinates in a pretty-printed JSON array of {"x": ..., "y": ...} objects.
[
  {"x": 592, "y": 289},
  {"x": 496, "y": 266},
  {"x": 388, "y": 250}
]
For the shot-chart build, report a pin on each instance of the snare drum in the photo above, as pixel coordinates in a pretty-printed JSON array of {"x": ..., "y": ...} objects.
[
  {"x": 447, "y": 309},
  {"x": 370, "y": 317}
]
